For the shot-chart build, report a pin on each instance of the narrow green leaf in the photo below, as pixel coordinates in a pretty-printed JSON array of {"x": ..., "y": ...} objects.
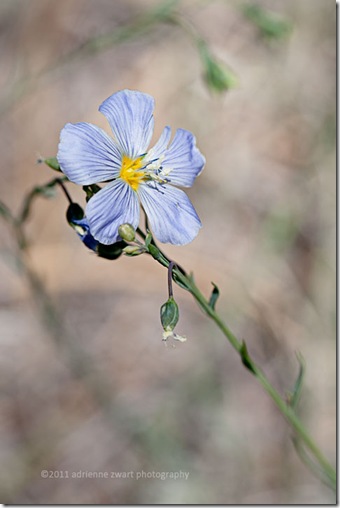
[
  {"x": 246, "y": 360},
  {"x": 320, "y": 472},
  {"x": 214, "y": 296},
  {"x": 52, "y": 162},
  {"x": 294, "y": 396},
  {"x": 148, "y": 240},
  {"x": 164, "y": 10},
  {"x": 269, "y": 24},
  {"x": 6, "y": 213}
]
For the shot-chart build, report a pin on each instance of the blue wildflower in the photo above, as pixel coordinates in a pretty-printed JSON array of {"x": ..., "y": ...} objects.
[{"x": 87, "y": 155}]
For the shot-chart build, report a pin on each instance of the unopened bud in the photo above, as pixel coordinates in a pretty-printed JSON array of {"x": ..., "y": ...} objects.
[
  {"x": 74, "y": 212},
  {"x": 133, "y": 250},
  {"x": 112, "y": 251},
  {"x": 127, "y": 232}
]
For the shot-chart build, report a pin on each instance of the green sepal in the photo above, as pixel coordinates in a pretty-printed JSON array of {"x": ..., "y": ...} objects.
[
  {"x": 52, "y": 163},
  {"x": 112, "y": 251},
  {"x": 169, "y": 314},
  {"x": 91, "y": 190},
  {"x": 148, "y": 239},
  {"x": 214, "y": 296},
  {"x": 155, "y": 253},
  {"x": 246, "y": 358}
]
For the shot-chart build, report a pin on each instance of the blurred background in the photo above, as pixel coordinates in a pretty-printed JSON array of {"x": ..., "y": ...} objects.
[{"x": 95, "y": 389}]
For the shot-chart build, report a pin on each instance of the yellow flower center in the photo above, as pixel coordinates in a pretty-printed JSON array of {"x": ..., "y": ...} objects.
[{"x": 130, "y": 171}]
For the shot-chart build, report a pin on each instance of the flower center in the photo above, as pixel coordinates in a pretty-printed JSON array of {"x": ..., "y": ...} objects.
[{"x": 131, "y": 171}]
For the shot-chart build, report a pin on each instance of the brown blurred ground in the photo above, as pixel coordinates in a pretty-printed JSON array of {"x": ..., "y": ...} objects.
[{"x": 267, "y": 203}]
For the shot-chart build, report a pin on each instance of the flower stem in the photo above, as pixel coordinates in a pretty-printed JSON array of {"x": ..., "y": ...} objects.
[
  {"x": 287, "y": 411},
  {"x": 170, "y": 291},
  {"x": 65, "y": 191}
]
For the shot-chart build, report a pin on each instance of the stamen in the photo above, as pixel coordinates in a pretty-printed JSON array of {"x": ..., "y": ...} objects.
[{"x": 136, "y": 171}]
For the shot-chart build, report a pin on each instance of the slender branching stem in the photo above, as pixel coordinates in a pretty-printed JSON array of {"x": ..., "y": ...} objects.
[
  {"x": 178, "y": 275},
  {"x": 286, "y": 410}
]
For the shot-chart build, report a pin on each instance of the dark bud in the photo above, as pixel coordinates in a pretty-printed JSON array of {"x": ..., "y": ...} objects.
[
  {"x": 74, "y": 212},
  {"x": 111, "y": 251}
]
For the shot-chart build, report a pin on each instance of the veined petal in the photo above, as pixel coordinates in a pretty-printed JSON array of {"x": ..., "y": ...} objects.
[
  {"x": 172, "y": 217},
  {"x": 112, "y": 206},
  {"x": 130, "y": 116},
  {"x": 159, "y": 148},
  {"x": 184, "y": 159},
  {"x": 87, "y": 154}
]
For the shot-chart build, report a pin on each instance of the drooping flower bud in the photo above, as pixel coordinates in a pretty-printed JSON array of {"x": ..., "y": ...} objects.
[
  {"x": 127, "y": 232},
  {"x": 133, "y": 250}
]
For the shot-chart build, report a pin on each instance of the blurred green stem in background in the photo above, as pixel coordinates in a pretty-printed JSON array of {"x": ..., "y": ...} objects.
[
  {"x": 219, "y": 77},
  {"x": 132, "y": 30},
  {"x": 270, "y": 25},
  {"x": 118, "y": 414}
]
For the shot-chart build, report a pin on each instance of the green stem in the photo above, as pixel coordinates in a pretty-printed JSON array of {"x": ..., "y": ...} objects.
[{"x": 286, "y": 410}]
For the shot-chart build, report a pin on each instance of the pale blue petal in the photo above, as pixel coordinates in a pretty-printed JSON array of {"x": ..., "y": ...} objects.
[
  {"x": 87, "y": 154},
  {"x": 184, "y": 159},
  {"x": 159, "y": 148},
  {"x": 172, "y": 217},
  {"x": 130, "y": 116},
  {"x": 115, "y": 204}
]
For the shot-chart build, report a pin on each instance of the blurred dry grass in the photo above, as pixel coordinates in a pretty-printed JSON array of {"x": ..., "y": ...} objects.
[{"x": 267, "y": 203}]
